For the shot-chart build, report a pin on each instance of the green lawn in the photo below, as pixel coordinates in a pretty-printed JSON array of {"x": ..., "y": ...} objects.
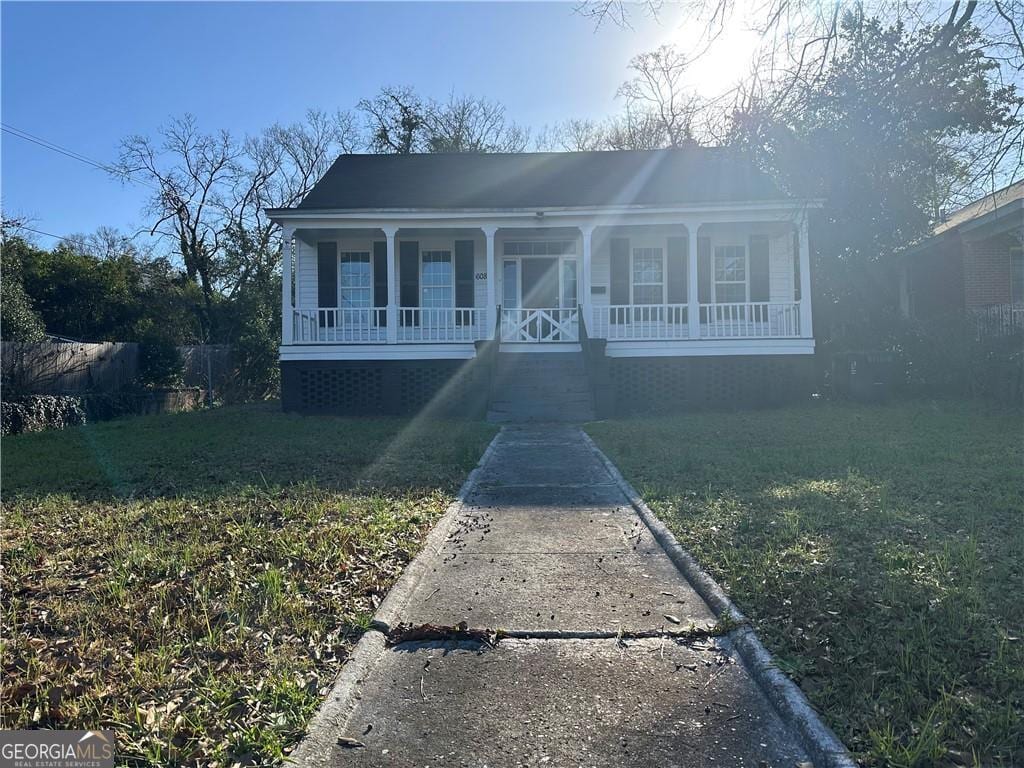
[
  {"x": 879, "y": 552},
  {"x": 195, "y": 581}
]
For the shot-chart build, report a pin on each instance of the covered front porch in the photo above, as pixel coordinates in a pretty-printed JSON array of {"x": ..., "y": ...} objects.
[{"x": 437, "y": 284}]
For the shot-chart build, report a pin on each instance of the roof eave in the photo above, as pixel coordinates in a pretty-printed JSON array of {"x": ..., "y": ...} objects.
[{"x": 282, "y": 214}]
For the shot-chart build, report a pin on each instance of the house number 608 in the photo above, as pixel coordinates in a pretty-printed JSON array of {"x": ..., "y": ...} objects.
[{"x": 481, "y": 275}]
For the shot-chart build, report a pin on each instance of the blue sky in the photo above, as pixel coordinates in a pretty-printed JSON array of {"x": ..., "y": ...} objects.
[{"x": 84, "y": 75}]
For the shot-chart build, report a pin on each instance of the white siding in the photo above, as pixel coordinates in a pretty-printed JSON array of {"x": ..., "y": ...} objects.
[
  {"x": 306, "y": 263},
  {"x": 600, "y": 271},
  {"x": 780, "y": 254},
  {"x": 479, "y": 271},
  {"x": 305, "y": 275}
]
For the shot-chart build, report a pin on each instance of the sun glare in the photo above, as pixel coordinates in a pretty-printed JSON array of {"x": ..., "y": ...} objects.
[{"x": 720, "y": 55}]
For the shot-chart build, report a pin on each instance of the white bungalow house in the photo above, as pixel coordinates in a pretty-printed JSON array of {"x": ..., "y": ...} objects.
[{"x": 662, "y": 278}]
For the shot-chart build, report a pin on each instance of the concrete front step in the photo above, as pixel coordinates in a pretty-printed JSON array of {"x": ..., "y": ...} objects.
[
  {"x": 519, "y": 391},
  {"x": 545, "y": 417},
  {"x": 540, "y": 388}
]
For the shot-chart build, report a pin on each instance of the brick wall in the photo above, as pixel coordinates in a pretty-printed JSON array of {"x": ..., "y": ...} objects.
[{"x": 987, "y": 271}]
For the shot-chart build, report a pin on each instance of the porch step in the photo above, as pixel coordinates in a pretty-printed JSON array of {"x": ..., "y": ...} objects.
[{"x": 532, "y": 387}]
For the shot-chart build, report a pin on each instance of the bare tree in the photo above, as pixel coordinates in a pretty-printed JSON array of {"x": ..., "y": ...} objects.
[
  {"x": 276, "y": 169},
  {"x": 636, "y": 129},
  {"x": 190, "y": 170},
  {"x": 618, "y": 12},
  {"x": 801, "y": 39},
  {"x": 656, "y": 91},
  {"x": 471, "y": 124},
  {"x": 574, "y": 135},
  {"x": 395, "y": 120}
]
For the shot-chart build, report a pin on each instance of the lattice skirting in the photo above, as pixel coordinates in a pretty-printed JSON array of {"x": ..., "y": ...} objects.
[
  {"x": 386, "y": 387},
  {"x": 660, "y": 384}
]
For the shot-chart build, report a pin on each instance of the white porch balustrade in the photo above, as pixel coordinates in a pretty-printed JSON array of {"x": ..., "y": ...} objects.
[
  {"x": 336, "y": 325},
  {"x": 369, "y": 325},
  {"x": 690, "y": 321},
  {"x": 646, "y": 322},
  {"x": 752, "y": 320},
  {"x": 540, "y": 325},
  {"x": 431, "y": 324}
]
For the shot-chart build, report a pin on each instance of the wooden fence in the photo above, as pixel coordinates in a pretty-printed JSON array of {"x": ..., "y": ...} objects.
[
  {"x": 999, "y": 319},
  {"x": 52, "y": 368}
]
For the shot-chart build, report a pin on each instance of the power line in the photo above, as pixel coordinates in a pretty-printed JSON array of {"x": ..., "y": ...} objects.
[
  {"x": 47, "y": 144},
  {"x": 40, "y": 232}
]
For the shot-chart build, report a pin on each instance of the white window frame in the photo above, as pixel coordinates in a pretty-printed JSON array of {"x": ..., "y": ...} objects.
[
  {"x": 560, "y": 259},
  {"x": 563, "y": 262},
  {"x": 450, "y": 250},
  {"x": 632, "y": 273},
  {"x": 714, "y": 273},
  {"x": 349, "y": 252}
]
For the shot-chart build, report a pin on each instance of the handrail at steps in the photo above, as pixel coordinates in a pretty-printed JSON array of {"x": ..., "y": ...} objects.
[{"x": 595, "y": 364}]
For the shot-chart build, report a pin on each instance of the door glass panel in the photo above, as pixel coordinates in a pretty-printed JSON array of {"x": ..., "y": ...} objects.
[
  {"x": 510, "y": 284},
  {"x": 540, "y": 282},
  {"x": 569, "y": 284}
]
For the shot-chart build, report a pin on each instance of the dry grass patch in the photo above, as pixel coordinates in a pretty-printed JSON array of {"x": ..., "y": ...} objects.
[{"x": 195, "y": 582}]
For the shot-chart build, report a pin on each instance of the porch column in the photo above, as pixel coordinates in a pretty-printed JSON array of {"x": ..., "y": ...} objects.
[
  {"x": 805, "y": 281},
  {"x": 287, "y": 305},
  {"x": 392, "y": 308},
  {"x": 490, "y": 268},
  {"x": 692, "y": 282},
  {"x": 588, "y": 309}
]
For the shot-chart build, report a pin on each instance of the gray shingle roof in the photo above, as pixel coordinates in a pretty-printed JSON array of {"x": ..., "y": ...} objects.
[
  {"x": 539, "y": 180},
  {"x": 982, "y": 206}
]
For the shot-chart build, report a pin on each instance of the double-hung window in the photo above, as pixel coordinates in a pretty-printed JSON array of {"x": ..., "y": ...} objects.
[
  {"x": 648, "y": 275},
  {"x": 355, "y": 279},
  {"x": 437, "y": 281},
  {"x": 730, "y": 274}
]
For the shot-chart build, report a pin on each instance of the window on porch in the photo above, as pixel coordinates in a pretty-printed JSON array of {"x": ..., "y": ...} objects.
[
  {"x": 730, "y": 274},
  {"x": 356, "y": 279},
  {"x": 437, "y": 279},
  {"x": 648, "y": 275}
]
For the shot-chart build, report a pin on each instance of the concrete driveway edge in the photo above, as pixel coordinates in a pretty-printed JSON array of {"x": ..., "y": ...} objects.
[
  {"x": 398, "y": 596},
  {"x": 821, "y": 743}
]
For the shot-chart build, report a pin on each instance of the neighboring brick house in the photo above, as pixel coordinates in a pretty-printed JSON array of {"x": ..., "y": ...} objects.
[{"x": 973, "y": 263}]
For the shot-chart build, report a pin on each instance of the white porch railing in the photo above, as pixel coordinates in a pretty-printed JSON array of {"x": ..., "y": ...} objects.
[
  {"x": 336, "y": 325},
  {"x": 540, "y": 325},
  {"x": 441, "y": 324},
  {"x": 647, "y": 322},
  {"x": 644, "y": 322},
  {"x": 750, "y": 320}
]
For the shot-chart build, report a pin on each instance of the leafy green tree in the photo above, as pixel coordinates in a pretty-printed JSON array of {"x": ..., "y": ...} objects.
[
  {"x": 101, "y": 289},
  {"x": 877, "y": 139},
  {"x": 19, "y": 321}
]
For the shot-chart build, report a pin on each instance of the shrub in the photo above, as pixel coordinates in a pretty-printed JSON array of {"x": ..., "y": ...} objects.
[
  {"x": 160, "y": 363},
  {"x": 947, "y": 357},
  {"x": 38, "y": 412},
  {"x": 18, "y": 320}
]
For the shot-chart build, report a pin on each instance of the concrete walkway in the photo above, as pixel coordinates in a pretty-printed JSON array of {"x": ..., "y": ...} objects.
[{"x": 608, "y": 657}]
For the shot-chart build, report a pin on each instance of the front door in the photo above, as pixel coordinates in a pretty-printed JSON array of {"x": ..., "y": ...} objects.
[
  {"x": 545, "y": 315},
  {"x": 540, "y": 283}
]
